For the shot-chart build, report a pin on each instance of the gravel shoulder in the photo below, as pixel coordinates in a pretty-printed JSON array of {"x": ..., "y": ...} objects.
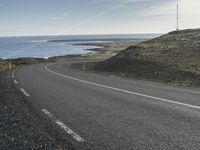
[{"x": 20, "y": 127}]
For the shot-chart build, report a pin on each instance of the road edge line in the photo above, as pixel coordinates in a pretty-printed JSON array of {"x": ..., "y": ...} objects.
[
  {"x": 63, "y": 126},
  {"x": 121, "y": 90}
]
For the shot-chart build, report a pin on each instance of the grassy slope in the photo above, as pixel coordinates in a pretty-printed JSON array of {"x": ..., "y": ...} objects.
[{"x": 172, "y": 58}]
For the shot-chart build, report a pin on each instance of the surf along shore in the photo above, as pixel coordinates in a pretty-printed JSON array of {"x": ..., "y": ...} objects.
[{"x": 108, "y": 48}]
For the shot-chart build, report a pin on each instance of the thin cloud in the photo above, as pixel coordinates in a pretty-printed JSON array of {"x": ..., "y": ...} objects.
[
  {"x": 61, "y": 16},
  {"x": 141, "y": 8},
  {"x": 65, "y": 14}
]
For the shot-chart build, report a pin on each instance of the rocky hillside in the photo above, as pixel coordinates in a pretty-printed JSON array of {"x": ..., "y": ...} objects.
[{"x": 172, "y": 58}]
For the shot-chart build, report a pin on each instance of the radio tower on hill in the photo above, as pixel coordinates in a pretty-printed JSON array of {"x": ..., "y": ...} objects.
[{"x": 177, "y": 17}]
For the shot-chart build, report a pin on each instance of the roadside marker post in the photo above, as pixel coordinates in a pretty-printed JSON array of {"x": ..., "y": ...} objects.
[
  {"x": 9, "y": 66},
  {"x": 84, "y": 67}
]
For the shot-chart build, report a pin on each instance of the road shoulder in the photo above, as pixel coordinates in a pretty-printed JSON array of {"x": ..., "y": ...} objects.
[{"x": 20, "y": 126}]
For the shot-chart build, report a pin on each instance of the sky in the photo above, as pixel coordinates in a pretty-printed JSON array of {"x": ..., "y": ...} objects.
[{"x": 81, "y": 17}]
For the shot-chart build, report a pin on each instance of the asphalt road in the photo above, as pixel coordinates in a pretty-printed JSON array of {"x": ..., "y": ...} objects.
[{"x": 110, "y": 113}]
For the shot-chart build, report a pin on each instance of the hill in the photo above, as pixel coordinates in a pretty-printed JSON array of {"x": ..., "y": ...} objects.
[{"x": 172, "y": 58}]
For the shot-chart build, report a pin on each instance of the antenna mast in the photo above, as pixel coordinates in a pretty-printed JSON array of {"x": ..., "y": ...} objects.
[{"x": 177, "y": 7}]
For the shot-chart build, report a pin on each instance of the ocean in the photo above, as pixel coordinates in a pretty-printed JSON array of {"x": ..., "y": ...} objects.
[{"x": 39, "y": 47}]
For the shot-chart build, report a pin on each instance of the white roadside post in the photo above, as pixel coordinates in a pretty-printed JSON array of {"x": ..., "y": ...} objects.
[
  {"x": 9, "y": 66},
  {"x": 84, "y": 67}
]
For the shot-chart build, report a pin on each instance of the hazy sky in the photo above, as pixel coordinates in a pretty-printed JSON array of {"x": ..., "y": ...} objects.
[{"x": 55, "y": 17}]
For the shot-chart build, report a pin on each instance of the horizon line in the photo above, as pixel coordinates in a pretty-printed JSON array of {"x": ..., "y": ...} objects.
[{"x": 80, "y": 34}]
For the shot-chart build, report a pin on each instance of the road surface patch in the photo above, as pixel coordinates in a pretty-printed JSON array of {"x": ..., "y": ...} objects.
[
  {"x": 24, "y": 92},
  {"x": 63, "y": 126},
  {"x": 15, "y": 81},
  {"x": 121, "y": 90}
]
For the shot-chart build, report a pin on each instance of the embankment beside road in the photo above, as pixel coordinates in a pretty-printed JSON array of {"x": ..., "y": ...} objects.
[{"x": 173, "y": 59}]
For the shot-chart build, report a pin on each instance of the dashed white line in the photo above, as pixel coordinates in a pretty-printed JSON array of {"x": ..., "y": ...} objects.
[
  {"x": 24, "y": 92},
  {"x": 15, "y": 81},
  {"x": 122, "y": 90},
  {"x": 63, "y": 126}
]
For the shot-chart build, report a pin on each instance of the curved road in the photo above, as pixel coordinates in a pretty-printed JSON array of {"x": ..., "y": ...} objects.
[{"x": 105, "y": 112}]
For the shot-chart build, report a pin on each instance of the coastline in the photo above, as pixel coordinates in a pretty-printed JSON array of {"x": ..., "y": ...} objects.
[{"x": 107, "y": 49}]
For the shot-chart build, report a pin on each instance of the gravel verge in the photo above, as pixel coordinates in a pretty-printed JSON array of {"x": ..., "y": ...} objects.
[{"x": 20, "y": 127}]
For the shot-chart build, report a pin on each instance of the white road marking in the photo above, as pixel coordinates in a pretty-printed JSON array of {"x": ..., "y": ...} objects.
[
  {"x": 121, "y": 90},
  {"x": 13, "y": 76},
  {"x": 24, "y": 92},
  {"x": 63, "y": 126},
  {"x": 15, "y": 81}
]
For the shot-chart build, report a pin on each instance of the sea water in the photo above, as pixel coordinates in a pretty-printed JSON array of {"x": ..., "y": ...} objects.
[{"x": 40, "y": 47}]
